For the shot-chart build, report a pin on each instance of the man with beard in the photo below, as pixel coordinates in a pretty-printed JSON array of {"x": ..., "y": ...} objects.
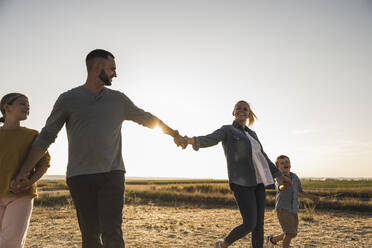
[{"x": 95, "y": 172}]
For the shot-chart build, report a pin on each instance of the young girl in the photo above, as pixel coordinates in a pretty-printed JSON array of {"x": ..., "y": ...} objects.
[
  {"x": 249, "y": 170},
  {"x": 16, "y": 201}
]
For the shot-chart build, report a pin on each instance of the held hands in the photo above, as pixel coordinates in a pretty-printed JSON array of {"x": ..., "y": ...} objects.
[
  {"x": 177, "y": 138},
  {"x": 21, "y": 182},
  {"x": 184, "y": 141},
  {"x": 286, "y": 182},
  {"x": 180, "y": 141}
]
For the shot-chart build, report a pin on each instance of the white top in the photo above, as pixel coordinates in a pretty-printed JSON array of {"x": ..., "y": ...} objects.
[{"x": 263, "y": 174}]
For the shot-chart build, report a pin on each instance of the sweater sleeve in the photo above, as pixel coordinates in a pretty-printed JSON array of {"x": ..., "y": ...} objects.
[
  {"x": 138, "y": 115},
  {"x": 53, "y": 125}
]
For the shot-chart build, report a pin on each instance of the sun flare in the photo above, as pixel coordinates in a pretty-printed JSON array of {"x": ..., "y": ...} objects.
[{"x": 158, "y": 129}]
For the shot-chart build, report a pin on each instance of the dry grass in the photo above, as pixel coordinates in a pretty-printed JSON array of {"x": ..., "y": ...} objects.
[
  {"x": 195, "y": 213},
  {"x": 308, "y": 213},
  {"x": 147, "y": 226},
  {"x": 338, "y": 195}
]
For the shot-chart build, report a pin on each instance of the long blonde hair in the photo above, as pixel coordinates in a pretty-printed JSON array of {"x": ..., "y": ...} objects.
[{"x": 251, "y": 116}]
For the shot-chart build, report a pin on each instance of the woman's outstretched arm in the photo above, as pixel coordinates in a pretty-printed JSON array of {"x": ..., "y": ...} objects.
[{"x": 207, "y": 140}]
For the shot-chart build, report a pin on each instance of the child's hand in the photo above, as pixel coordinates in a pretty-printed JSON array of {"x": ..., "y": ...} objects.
[
  {"x": 16, "y": 187},
  {"x": 285, "y": 181},
  {"x": 283, "y": 187}
]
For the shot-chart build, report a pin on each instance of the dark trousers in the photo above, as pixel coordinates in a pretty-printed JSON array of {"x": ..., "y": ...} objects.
[
  {"x": 99, "y": 202},
  {"x": 251, "y": 203}
]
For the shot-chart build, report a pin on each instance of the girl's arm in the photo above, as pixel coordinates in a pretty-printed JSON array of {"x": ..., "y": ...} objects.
[
  {"x": 34, "y": 155},
  {"x": 39, "y": 170}
]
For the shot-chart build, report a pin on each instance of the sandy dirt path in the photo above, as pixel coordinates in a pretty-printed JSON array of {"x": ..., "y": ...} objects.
[{"x": 168, "y": 227}]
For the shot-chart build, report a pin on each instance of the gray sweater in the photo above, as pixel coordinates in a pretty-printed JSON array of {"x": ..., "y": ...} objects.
[{"x": 93, "y": 125}]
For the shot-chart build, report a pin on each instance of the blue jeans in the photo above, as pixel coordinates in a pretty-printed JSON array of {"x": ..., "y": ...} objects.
[
  {"x": 251, "y": 203},
  {"x": 99, "y": 202}
]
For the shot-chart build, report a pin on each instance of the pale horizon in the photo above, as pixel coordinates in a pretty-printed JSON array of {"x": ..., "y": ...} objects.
[
  {"x": 62, "y": 176},
  {"x": 304, "y": 66}
]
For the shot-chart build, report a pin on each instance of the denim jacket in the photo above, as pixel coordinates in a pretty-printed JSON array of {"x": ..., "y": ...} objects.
[{"x": 238, "y": 152}]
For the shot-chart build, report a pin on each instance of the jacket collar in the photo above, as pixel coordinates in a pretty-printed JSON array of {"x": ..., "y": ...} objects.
[{"x": 237, "y": 125}]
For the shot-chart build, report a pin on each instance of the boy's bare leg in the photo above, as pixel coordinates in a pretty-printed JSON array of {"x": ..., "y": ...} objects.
[
  {"x": 287, "y": 239},
  {"x": 277, "y": 238}
]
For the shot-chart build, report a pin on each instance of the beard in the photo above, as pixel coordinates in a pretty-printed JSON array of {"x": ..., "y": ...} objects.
[{"x": 103, "y": 76}]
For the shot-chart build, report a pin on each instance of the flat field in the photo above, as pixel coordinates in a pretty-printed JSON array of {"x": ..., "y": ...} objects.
[{"x": 196, "y": 213}]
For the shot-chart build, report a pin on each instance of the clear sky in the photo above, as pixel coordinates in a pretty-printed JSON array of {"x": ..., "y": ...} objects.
[{"x": 305, "y": 67}]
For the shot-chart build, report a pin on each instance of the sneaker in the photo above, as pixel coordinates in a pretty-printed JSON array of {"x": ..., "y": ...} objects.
[
  {"x": 217, "y": 244},
  {"x": 269, "y": 242}
]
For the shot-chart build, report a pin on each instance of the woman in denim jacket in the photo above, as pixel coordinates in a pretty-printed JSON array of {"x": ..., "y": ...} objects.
[{"x": 249, "y": 171}]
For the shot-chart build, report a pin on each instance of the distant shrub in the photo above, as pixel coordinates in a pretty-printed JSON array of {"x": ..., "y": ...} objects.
[
  {"x": 308, "y": 212},
  {"x": 52, "y": 201},
  {"x": 217, "y": 193}
]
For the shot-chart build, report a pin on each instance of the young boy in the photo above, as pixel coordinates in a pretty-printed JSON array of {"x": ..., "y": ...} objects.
[{"x": 286, "y": 203}]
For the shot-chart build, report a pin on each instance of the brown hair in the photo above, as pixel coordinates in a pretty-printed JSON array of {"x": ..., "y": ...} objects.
[
  {"x": 252, "y": 117},
  {"x": 8, "y": 99},
  {"x": 280, "y": 157}
]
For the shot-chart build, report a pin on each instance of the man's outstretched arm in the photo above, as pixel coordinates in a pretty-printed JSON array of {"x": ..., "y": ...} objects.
[
  {"x": 177, "y": 138},
  {"x": 138, "y": 115}
]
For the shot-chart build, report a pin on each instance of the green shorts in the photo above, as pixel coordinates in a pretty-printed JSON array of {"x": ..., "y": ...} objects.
[{"x": 288, "y": 221}]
